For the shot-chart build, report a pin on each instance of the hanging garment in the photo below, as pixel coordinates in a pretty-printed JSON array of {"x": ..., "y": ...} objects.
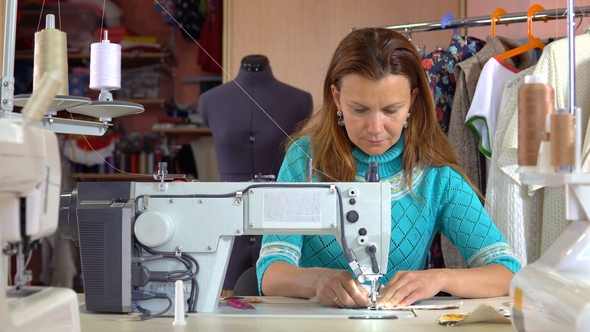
[
  {"x": 467, "y": 74},
  {"x": 190, "y": 14},
  {"x": 462, "y": 138},
  {"x": 439, "y": 67},
  {"x": 553, "y": 64},
  {"x": 483, "y": 112},
  {"x": 209, "y": 57},
  {"x": 517, "y": 214}
]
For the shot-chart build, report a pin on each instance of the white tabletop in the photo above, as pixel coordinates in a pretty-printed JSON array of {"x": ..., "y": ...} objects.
[{"x": 286, "y": 314}]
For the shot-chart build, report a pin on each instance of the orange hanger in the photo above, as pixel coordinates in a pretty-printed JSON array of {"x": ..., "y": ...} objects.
[
  {"x": 496, "y": 18},
  {"x": 533, "y": 42}
]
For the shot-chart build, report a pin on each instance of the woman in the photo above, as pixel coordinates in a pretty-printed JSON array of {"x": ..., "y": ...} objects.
[{"x": 378, "y": 107}]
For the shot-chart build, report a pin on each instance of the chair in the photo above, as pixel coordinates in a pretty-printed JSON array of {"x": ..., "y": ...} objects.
[{"x": 247, "y": 283}]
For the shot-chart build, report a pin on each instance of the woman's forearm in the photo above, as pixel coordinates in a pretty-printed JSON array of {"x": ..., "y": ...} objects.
[
  {"x": 485, "y": 281},
  {"x": 284, "y": 279}
]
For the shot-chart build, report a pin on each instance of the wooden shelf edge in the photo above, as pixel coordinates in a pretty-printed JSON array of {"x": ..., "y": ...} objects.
[
  {"x": 182, "y": 130},
  {"x": 124, "y": 55},
  {"x": 112, "y": 176}
]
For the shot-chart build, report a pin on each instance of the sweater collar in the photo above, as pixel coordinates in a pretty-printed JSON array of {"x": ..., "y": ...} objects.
[{"x": 390, "y": 162}]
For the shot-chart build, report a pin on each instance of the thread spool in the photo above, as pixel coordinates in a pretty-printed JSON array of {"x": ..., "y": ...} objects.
[
  {"x": 536, "y": 100},
  {"x": 562, "y": 141},
  {"x": 105, "y": 65},
  {"x": 51, "y": 54}
]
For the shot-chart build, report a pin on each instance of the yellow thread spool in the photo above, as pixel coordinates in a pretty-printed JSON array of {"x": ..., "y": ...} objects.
[{"x": 51, "y": 54}]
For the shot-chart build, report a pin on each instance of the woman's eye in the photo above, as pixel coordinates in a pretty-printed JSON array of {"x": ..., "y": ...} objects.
[
  {"x": 360, "y": 111},
  {"x": 390, "y": 112}
]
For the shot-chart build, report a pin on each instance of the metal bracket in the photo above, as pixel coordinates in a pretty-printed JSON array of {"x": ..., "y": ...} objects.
[
  {"x": 7, "y": 88},
  {"x": 239, "y": 197},
  {"x": 146, "y": 201}
]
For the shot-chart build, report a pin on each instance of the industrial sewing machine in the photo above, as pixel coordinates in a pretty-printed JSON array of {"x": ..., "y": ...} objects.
[
  {"x": 136, "y": 239},
  {"x": 553, "y": 293},
  {"x": 29, "y": 200}
]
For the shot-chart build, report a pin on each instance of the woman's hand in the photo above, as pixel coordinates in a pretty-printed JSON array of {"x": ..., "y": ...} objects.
[
  {"x": 338, "y": 288},
  {"x": 407, "y": 287}
]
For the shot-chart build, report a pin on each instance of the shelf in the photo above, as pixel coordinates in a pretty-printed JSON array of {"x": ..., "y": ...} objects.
[
  {"x": 144, "y": 102},
  {"x": 113, "y": 177},
  {"x": 184, "y": 130},
  {"x": 128, "y": 59}
]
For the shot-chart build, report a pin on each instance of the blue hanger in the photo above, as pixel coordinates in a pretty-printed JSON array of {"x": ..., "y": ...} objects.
[{"x": 446, "y": 20}]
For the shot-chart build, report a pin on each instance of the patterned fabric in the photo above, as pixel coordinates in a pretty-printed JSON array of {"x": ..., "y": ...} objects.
[
  {"x": 191, "y": 15},
  {"x": 445, "y": 202},
  {"x": 462, "y": 138},
  {"x": 440, "y": 71},
  {"x": 517, "y": 214}
]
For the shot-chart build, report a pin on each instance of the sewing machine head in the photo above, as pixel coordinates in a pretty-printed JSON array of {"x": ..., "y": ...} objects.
[{"x": 124, "y": 229}]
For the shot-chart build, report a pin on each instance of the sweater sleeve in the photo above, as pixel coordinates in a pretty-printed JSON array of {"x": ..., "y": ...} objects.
[
  {"x": 466, "y": 223},
  {"x": 286, "y": 248}
]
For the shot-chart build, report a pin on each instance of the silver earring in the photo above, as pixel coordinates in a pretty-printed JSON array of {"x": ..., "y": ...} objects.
[
  {"x": 406, "y": 122},
  {"x": 340, "y": 119}
]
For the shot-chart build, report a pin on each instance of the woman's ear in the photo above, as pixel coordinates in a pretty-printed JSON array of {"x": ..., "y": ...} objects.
[
  {"x": 336, "y": 96},
  {"x": 414, "y": 94}
]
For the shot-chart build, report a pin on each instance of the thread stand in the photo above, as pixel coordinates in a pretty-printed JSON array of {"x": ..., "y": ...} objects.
[
  {"x": 105, "y": 75},
  {"x": 105, "y": 111},
  {"x": 65, "y": 125}
]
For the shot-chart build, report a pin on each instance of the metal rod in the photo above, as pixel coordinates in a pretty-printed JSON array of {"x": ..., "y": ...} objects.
[
  {"x": 468, "y": 22},
  {"x": 9, "y": 38},
  {"x": 7, "y": 81},
  {"x": 571, "y": 43}
]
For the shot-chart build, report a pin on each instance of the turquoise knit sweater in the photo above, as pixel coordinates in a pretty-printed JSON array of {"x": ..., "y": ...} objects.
[{"x": 446, "y": 203}]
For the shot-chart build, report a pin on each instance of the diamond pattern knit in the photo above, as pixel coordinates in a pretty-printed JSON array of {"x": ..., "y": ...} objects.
[{"x": 443, "y": 201}]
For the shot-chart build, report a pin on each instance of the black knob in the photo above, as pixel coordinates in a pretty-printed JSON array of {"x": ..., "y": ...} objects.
[
  {"x": 352, "y": 201},
  {"x": 362, "y": 231},
  {"x": 352, "y": 216}
]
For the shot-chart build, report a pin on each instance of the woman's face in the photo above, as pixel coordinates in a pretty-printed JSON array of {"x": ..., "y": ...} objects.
[{"x": 374, "y": 112}]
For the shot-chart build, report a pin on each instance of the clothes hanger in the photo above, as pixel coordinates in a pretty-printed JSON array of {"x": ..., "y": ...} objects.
[
  {"x": 446, "y": 20},
  {"x": 533, "y": 42},
  {"x": 496, "y": 18}
]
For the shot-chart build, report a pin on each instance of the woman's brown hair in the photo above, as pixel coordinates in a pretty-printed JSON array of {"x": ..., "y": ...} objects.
[{"x": 374, "y": 53}]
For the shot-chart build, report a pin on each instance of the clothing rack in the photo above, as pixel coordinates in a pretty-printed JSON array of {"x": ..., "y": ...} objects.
[{"x": 469, "y": 22}]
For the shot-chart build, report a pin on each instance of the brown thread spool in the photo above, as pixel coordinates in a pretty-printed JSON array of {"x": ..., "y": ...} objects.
[
  {"x": 562, "y": 141},
  {"x": 536, "y": 99}
]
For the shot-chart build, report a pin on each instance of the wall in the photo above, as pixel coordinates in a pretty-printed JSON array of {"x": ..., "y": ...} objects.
[
  {"x": 541, "y": 30},
  {"x": 300, "y": 36}
]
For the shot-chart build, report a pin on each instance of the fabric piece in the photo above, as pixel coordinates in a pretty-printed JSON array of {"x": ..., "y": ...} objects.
[
  {"x": 462, "y": 138},
  {"x": 517, "y": 214},
  {"x": 483, "y": 112},
  {"x": 439, "y": 67},
  {"x": 86, "y": 155},
  {"x": 452, "y": 207},
  {"x": 191, "y": 15},
  {"x": 553, "y": 64},
  {"x": 210, "y": 51}
]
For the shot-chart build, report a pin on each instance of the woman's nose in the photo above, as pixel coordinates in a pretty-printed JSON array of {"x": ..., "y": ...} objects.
[{"x": 375, "y": 124}]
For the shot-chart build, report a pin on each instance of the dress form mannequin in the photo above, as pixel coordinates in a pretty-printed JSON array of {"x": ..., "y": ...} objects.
[{"x": 247, "y": 141}]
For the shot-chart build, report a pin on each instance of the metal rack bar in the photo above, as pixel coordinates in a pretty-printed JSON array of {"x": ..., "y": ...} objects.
[{"x": 469, "y": 22}]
